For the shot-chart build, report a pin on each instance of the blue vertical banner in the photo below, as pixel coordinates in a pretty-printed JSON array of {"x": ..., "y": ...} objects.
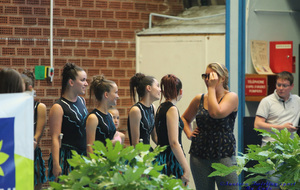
[
  {"x": 7, "y": 163},
  {"x": 16, "y": 141}
]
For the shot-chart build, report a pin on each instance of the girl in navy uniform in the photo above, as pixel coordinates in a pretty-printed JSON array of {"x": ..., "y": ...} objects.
[
  {"x": 169, "y": 127},
  {"x": 67, "y": 117},
  {"x": 99, "y": 123},
  {"x": 40, "y": 115},
  {"x": 141, "y": 115}
]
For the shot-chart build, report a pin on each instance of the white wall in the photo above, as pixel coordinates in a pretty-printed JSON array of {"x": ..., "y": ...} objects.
[
  {"x": 271, "y": 20},
  {"x": 186, "y": 57}
]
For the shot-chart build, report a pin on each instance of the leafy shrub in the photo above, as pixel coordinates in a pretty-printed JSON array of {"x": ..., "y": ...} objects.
[
  {"x": 116, "y": 167},
  {"x": 281, "y": 156}
]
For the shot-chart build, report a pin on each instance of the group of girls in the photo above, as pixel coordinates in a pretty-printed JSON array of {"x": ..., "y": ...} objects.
[{"x": 212, "y": 140}]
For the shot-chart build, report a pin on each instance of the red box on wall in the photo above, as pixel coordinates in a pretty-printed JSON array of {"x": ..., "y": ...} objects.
[{"x": 281, "y": 56}]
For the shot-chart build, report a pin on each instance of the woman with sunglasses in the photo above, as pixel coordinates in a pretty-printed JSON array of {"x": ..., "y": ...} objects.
[{"x": 213, "y": 140}]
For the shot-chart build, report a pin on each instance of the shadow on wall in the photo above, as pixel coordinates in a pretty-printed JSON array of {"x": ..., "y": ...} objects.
[
  {"x": 295, "y": 6},
  {"x": 191, "y": 3}
]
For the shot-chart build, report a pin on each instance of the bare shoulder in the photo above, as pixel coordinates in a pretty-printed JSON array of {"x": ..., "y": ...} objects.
[
  {"x": 134, "y": 110},
  {"x": 172, "y": 111},
  {"x": 42, "y": 106},
  {"x": 92, "y": 120},
  {"x": 56, "y": 109},
  {"x": 232, "y": 95},
  {"x": 233, "y": 99}
]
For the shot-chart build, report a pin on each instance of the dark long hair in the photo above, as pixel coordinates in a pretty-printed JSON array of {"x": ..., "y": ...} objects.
[
  {"x": 170, "y": 86},
  {"x": 69, "y": 72},
  {"x": 10, "y": 81},
  {"x": 138, "y": 84}
]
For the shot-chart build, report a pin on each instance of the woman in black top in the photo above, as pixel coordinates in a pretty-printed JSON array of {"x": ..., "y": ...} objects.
[
  {"x": 99, "y": 123},
  {"x": 67, "y": 116},
  {"x": 213, "y": 140},
  {"x": 141, "y": 115},
  {"x": 169, "y": 127}
]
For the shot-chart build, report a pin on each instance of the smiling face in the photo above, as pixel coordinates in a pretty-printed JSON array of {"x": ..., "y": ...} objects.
[
  {"x": 283, "y": 88},
  {"x": 80, "y": 83},
  {"x": 113, "y": 95}
]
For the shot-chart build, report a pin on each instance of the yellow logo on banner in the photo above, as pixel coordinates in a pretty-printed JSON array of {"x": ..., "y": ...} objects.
[{"x": 3, "y": 158}]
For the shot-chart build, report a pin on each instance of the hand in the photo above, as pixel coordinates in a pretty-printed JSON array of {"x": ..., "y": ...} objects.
[
  {"x": 289, "y": 127},
  {"x": 213, "y": 79},
  {"x": 56, "y": 170},
  {"x": 185, "y": 178},
  {"x": 195, "y": 132}
]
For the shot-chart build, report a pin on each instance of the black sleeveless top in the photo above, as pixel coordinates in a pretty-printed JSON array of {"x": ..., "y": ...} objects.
[
  {"x": 146, "y": 124},
  {"x": 215, "y": 139},
  {"x": 161, "y": 124},
  {"x": 73, "y": 128},
  {"x": 106, "y": 127}
]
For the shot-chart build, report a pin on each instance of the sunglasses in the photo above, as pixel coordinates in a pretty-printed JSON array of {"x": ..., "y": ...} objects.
[{"x": 204, "y": 76}]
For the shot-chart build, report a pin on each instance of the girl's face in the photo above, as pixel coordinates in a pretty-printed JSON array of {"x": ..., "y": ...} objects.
[
  {"x": 80, "y": 83},
  {"x": 116, "y": 116},
  {"x": 113, "y": 95},
  {"x": 155, "y": 90}
]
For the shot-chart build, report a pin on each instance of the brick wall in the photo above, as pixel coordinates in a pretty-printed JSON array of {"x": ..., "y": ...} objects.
[{"x": 98, "y": 35}]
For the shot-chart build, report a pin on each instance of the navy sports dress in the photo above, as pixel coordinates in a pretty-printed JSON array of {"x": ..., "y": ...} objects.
[
  {"x": 167, "y": 157},
  {"x": 74, "y": 133}
]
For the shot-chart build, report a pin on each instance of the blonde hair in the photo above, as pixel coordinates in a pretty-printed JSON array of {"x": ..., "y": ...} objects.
[{"x": 222, "y": 71}]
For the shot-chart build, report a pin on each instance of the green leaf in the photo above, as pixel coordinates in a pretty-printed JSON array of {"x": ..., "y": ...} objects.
[
  {"x": 256, "y": 179},
  {"x": 3, "y": 157},
  {"x": 55, "y": 185},
  {"x": 222, "y": 170},
  {"x": 84, "y": 180},
  {"x": 142, "y": 147}
]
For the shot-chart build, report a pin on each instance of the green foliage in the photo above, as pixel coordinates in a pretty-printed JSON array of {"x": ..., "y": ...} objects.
[
  {"x": 281, "y": 156},
  {"x": 116, "y": 167}
]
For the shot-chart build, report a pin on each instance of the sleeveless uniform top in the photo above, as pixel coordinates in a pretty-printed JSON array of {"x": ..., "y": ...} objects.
[
  {"x": 146, "y": 124},
  {"x": 215, "y": 139},
  {"x": 161, "y": 124},
  {"x": 167, "y": 157},
  {"x": 106, "y": 127},
  {"x": 73, "y": 128}
]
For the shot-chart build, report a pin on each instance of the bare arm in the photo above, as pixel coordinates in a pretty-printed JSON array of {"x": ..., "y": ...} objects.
[
  {"x": 55, "y": 122},
  {"x": 260, "y": 123},
  {"x": 172, "y": 125},
  {"x": 189, "y": 115},
  {"x": 228, "y": 104},
  {"x": 41, "y": 121},
  {"x": 134, "y": 120},
  {"x": 91, "y": 126}
]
